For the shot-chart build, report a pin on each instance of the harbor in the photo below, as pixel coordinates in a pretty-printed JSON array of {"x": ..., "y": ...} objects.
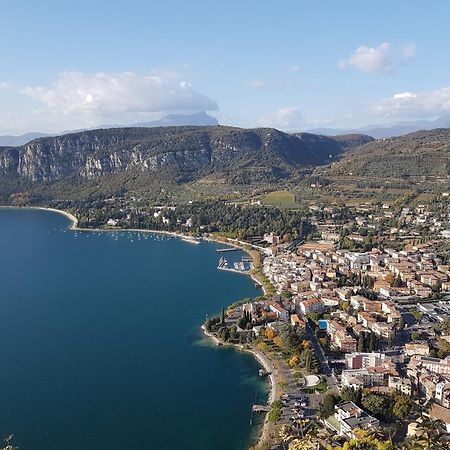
[{"x": 242, "y": 266}]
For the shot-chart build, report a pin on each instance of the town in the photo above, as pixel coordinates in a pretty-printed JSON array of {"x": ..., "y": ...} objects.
[{"x": 353, "y": 328}]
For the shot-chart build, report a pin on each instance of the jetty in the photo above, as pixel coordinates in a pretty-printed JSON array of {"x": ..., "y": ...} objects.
[
  {"x": 227, "y": 249},
  {"x": 261, "y": 408}
]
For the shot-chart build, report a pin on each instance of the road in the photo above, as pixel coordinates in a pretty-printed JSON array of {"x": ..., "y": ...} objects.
[{"x": 326, "y": 369}]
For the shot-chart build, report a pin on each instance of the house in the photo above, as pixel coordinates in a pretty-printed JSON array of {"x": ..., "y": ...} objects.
[
  {"x": 400, "y": 384},
  {"x": 367, "y": 377},
  {"x": 351, "y": 417},
  {"x": 442, "y": 392},
  {"x": 296, "y": 321},
  {"x": 434, "y": 365},
  {"x": 360, "y": 360},
  {"x": 340, "y": 338},
  {"x": 441, "y": 413},
  {"x": 366, "y": 319},
  {"x": 311, "y": 305},
  {"x": 280, "y": 312},
  {"x": 417, "y": 348},
  {"x": 383, "y": 330}
]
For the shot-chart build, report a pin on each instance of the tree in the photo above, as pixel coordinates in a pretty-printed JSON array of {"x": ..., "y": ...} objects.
[
  {"x": 309, "y": 362},
  {"x": 367, "y": 441},
  {"x": 390, "y": 342},
  {"x": 223, "y": 315},
  {"x": 373, "y": 342},
  {"x": 397, "y": 281},
  {"x": 349, "y": 394},
  {"x": 270, "y": 333},
  {"x": 361, "y": 345},
  {"x": 326, "y": 408},
  {"x": 278, "y": 341},
  {"x": 294, "y": 361},
  {"x": 224, "y": 334},
  {"x": 415, "y": 335},
  {"x": 233, "y": 332},
  {"x": 402, "y": 406},
  {"x": 389, "y": 278},
  {"x": 376, "y": 404}
]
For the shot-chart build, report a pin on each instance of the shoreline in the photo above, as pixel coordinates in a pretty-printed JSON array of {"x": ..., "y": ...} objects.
[
  {"x": 267, "y": 365},
  {"x": 74, "y": 227}
]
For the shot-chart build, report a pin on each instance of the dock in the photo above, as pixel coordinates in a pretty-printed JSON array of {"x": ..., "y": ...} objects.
[
  {"x": 261, "y": 408},
  {"x": 228, "y": 249}
]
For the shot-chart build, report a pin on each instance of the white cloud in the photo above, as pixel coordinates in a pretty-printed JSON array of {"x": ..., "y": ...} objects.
[
  {"x": 286, "y": 118},
  {"x": 106, "y": 94},
  {"x": 370, "y": 59},
  {"x": 415, "y": 104},
  {"x": 4, "y": 86},
  {"x": 381, "y": 59},
  {"x": 256, "y": 84},
  {"x": 81, "y": 100},
  {"x": 408, "y": 52}
]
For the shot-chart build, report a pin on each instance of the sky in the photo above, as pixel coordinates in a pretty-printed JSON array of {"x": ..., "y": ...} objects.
[{"x": 292, "y": 65}]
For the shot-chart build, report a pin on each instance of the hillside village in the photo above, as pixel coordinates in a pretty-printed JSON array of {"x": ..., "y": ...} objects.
[{"x": 369, "y": 298}]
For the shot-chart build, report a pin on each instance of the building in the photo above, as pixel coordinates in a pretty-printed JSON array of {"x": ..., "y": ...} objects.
[
  {"x": 296, "y": 321},
  {"x": 434, "y": 365},
  {"x": 417, "y": 348},
  {"x": 280, "y": 312},
  {"x": 310, "y": 305},
  {"x": 340, "y": 339},
  {"x": 350, "y": 417},
  {"x": 364, "y": 360},
  {"x": 400, "y": 384},
  {"x": 360, "y": 378}
]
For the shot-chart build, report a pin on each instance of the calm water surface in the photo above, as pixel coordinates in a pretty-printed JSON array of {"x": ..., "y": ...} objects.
[{"x": 100, "y": 347}]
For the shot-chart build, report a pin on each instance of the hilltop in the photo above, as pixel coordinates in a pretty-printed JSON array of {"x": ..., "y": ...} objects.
[
  {"x": 147, "y": 159},
  {"x": 424, "y": 153}
]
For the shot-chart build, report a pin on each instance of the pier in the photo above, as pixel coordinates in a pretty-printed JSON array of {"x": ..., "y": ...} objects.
[
  {"x": 261, "y": 408},
  {"x": 228, "y": 249}
]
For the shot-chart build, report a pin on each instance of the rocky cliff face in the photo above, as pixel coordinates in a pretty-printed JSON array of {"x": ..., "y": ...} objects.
[{"x": 95, "y": 153}]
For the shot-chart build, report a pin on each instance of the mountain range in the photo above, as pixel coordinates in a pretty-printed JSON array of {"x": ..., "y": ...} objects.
[
  {"x": 197, "y": 119},
  {"x": 388, "y": 130},
  {"x": 219, "y": 160},
  {"x": 421, "y": 154}
]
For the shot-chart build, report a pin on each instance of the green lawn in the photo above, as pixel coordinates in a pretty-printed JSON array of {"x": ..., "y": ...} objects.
[{"x": 283, "y": 198}]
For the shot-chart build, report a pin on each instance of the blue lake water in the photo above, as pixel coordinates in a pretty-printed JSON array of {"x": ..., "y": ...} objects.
[{"x": 100, "y": 347}]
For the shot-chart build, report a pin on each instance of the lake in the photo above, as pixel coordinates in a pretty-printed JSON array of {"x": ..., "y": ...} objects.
[{"x": 100, "y": 346}]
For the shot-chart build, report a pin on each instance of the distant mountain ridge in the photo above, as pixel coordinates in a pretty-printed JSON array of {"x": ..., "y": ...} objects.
[
  {"x": 197, "y": 119},
  {"x": 236, "y": 154},
  {"x": 420, "y": 154},
  {"x": 388, "y": 130}
]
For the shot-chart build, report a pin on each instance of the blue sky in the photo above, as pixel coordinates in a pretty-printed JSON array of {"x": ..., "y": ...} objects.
[{"x": 290, "y": 64}]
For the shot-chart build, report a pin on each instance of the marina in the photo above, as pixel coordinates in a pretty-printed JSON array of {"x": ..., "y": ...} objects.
[{"x": 242, "y": 266}]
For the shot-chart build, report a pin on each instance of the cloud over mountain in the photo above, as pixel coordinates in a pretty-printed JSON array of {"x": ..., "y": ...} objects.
[
  {"x": 106, "y": 94},
  {"x": 415, "y": 104},
  {"x": 286, "y": 118}
]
